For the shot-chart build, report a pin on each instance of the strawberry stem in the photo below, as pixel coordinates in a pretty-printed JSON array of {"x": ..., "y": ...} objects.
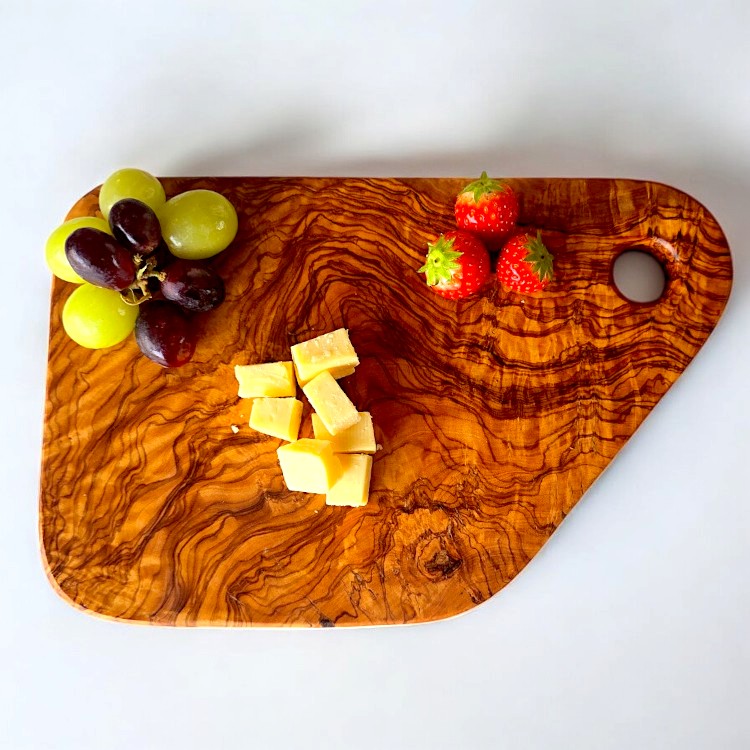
[
  {"x": 540, "y": 259},
  {"x": 442, "y": 261},
  {"x": 484, "y": 186}
]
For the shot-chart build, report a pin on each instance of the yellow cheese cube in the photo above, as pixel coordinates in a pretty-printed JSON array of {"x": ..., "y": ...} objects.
[
  {"x": 278, "y": 417},
  {"x": 353, "y": 486},
  {"x": 359, "y": 438},
  {"x": 331, "y": 351},
  {"x": 309, "y": 465},
  {"x": 269, "y": 380},
  {"x": 332, "y": 405},
  {"x": 341, "y": 372}
]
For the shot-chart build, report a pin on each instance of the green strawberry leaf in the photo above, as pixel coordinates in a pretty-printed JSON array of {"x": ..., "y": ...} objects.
[
  {"x": 484, "y": 186},
  {"x": 442, "y": 261},
  {"x": 539, "y": 258}
]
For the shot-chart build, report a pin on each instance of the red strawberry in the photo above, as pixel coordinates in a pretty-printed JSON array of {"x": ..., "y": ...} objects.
[
  {"x": 488, "y": 208},
  {"x": 457, "y": 265},
  {"x": 525, "y": 264}
]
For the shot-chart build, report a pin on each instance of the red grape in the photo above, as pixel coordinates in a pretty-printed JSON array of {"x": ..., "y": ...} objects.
[
  {"x": 97, "y": 258},
  {"x": 164, "y": 334},
  {"x": 161, "y": 255},
  {"x": 135, "y": 226},
  {"x": 193, "y": 286}
]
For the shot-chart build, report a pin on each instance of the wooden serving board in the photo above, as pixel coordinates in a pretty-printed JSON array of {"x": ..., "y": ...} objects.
[{"x": 495, "y": 413}]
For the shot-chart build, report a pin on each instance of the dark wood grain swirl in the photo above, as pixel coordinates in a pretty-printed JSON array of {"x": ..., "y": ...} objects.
[{"x": 495, "y": 414}]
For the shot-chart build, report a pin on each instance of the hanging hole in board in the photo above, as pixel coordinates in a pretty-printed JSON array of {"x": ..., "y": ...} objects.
[{"x": 638, "y": 276}]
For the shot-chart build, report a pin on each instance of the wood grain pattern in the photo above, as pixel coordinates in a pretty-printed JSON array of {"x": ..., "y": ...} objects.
[{"x": 495, "y": 413}]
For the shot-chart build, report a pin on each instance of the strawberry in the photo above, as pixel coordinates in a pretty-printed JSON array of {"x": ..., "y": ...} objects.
[
  {"x": 525, "y": 264},
  {"x": 457, "y": 265},
  {"x": 488, "y": 208}
]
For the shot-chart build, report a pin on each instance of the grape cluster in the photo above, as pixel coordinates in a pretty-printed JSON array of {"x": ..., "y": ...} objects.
[{"x": 143, "y": 267}]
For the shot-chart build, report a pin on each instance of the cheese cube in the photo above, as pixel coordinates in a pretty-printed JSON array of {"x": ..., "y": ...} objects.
[
  {"x": 278, "y": 417},
  {"x": 332, "y": 405},
  {"x": 309, "y": 465},
  {"x": 353, "y": 486},
  {"x": 359, "y": 438},
  {"x": 341, "y": 372},
  {"x": 269, "y": 380},
  {"x": 331, "y": 351}
]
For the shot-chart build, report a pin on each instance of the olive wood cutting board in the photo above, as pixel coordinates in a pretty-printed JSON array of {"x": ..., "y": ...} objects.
[{"x": 495, "y": 414}]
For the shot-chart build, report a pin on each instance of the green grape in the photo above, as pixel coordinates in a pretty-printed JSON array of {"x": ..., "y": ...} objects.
[
  {"x": 131, "y": 183},
  {"x": 55, "y": 250},
  {"x": 198, "y": 224},
  {"x": 97, "y": 318}
]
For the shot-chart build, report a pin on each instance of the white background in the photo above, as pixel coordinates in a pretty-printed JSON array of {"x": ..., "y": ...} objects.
[{"x": 630, "y": 629}]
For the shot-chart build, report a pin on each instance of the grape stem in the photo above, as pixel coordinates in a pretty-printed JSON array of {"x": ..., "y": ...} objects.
[{"x": 138, "y": 292}]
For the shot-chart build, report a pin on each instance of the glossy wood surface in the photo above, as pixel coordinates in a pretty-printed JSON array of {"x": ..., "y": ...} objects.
[{"x": 495, "y": 414}]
